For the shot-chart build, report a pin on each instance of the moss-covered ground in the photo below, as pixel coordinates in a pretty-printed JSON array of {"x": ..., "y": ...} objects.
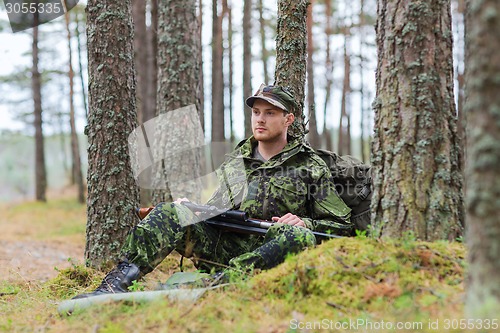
[{"x": 346, "y": 285}]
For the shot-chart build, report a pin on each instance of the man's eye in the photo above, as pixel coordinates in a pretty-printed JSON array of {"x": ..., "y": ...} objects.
[{"x": 270, "y": 113}]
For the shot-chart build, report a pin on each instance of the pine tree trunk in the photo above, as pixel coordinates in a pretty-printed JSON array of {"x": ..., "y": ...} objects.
[
  {"x": 217, "y": 76},
  {"x": 247, "y": 62},
  {"x": 178, "y": 65},
  {"x": 362, "y": 24},
  {"x": 80, "y": 63},
  {"x": 482, "y": 107},
  {"x": 329, "y": 75},
  {"x": 313, "y": 135},
  {"x": 345, "y": 117},
  {"x": 141, "y": 58},
  {"x": 227, "y": 11},
  {"x": 112, "y": 192},
  {"x": 75, "y": 146},
  {"x": 415, "y": 155},
  {"x": 291, "y": 53},
  {"x": 264, "y": 52},
  {"x": 36, "y": 86},
  {"x": 201, "y": 85},
  {"x": 152, "y": 82}
]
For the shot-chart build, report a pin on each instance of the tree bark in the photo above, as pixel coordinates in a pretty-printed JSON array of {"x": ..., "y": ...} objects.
[
  {"x": 415, "y": 155},
  {"x": 75, "y": 146},
  {"x": 141, "y": 58},
  {"x": 152, "y": 82},
  {"x": 362, "y": 24},
  {"x": 227, "y": 12},
  {"x": 482, "y": 107},
  {"x": 329, "y": 75},
  {"x": 291, "y": 53},
  {"x": 247, "y": 63},
  {"x": 313, "y": 135},
  {"x": 178, "y": 66},
  {"x": 264, "y": 52},
  {"x": 36, "y": 86},
  {"x": 217, "y": 76},
  {"x": 112, "y": 192},
  {"x": 80, "y": 63},
  {"x": 345, "y": 107}
]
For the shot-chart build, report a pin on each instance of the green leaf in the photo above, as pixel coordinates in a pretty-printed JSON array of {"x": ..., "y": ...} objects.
[{"x": 185, "y": 277}]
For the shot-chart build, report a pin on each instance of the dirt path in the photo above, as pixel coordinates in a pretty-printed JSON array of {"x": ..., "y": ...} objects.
[{"x": 35, "y": 260}]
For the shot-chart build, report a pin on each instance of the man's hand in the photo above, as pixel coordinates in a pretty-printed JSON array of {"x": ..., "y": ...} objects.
[{"x": 290, "y": 219}]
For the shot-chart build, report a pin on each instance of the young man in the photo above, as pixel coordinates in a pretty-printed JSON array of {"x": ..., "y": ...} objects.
[{"x": 282, "y": 180}]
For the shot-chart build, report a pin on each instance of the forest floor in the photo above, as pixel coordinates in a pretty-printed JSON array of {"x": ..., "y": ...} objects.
[{"x": 347, "y": 285}]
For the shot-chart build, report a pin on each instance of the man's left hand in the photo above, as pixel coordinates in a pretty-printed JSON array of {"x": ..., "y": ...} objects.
[{"x": 290, "y": 219}]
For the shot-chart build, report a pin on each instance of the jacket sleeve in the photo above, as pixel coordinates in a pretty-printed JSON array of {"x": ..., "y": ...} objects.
[{"x": 329, "y": 214}]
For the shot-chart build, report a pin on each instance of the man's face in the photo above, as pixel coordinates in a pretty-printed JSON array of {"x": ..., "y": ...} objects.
[{"x": 269, "y": 123}]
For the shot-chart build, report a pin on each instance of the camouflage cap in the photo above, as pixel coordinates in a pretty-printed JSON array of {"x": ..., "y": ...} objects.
[{"x": 275, "y": 95}]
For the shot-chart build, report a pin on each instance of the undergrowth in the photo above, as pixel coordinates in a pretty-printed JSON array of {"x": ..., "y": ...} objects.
[{"x": 340, "y": 281}]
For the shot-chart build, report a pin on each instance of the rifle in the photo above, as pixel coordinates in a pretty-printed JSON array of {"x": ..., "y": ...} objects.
[{"x": 231, "y": 220}]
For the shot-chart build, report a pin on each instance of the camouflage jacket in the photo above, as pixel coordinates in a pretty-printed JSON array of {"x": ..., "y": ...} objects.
[{"x": 294, "y": 181}]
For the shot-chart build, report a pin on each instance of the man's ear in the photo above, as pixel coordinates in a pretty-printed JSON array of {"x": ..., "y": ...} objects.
[{"x": 290, "y": 118}]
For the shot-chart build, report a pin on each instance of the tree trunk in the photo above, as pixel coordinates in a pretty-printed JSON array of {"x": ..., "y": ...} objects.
[
  {"x": 247, "y": 63},
  {"x": 482, "y": 107},
  {"x": 227, "y": 12},
  {"x": 291, "y": 55},
  {"x": 36, "y": 86},
  {"x": 141, "y": 58},
  {"x": 313, "y": 135},
  {"x": 264, "y": 52},
  {"x": 80, "y": 63},
  {"x": 415, "y": 155},
  {"x": 217, "y": 76},
  {"x": 362, "y": 24},
  {"x": 75, "y": 147},
  {"x": 345, "y": 111},
  {"x": 178, "y": 66},
  {"x": 201, "y": 84},
  {"x": 152, "y": 82},
  {"x": 329, "y": 75},
  {"x": 112, "y": 192}
]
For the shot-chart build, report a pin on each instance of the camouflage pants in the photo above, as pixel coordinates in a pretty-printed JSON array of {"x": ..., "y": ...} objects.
[{"x": 170, "y": 226}]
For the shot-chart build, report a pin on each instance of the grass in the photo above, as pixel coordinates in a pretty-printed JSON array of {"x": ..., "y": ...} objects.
[{"x": 340, "y": 282}]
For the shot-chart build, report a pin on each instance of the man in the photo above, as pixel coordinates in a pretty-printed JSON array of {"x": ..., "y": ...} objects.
[{"x": 283, "y": 180}]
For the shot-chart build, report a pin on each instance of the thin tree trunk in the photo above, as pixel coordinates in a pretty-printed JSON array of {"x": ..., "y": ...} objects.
[
  {"x": 415, "y": 155},
  {"x": 80, "y": 63},
  {"x": 228, "y": 13},
  {"x": 201, "y": 80},
  {"x": 291, "y": 55},
  {"x": 141, "y": 58},
  {"x": 329, "y": 75},
  {"x": 264, "y": 52},
  {"x": 75, "y": 147},
  {"x": 217, "y": 76},
  {"x": 60, "y": 123},
  {"x": 345, "y": 121},
  {"x": 362, "y": 24},
  {"x": 112, "y": 191},
  {"x": 313, "y": 126},
  {"x": 247, "y": 62},
  {"x": 482, "y": 105},
  {"x": 152, "y": 82},
  {"x": 36, "y": 86}
]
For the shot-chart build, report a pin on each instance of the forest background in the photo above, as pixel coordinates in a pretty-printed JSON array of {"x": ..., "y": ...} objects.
[{"x": 343, "y": 67}]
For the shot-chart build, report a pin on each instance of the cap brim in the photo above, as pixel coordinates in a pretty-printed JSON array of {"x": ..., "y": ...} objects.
[{"x": 250, "y": 100}]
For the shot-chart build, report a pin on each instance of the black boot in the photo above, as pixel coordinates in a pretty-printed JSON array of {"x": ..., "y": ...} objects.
[{"x": 116, "y": 281}]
